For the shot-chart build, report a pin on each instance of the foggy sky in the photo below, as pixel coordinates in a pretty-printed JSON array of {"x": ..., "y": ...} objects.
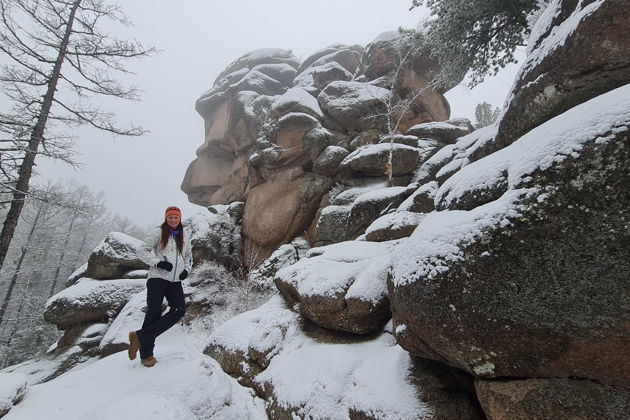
[{"x": 198, "y": 39}]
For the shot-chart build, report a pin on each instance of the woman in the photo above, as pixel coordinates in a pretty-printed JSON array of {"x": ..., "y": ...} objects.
[{"x": 168, "y": 253}]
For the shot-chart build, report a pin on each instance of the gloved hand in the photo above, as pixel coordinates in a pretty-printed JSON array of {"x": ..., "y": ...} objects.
[
  {"x": 165, "y": 265},
  {"x": 183, "y": 275}
]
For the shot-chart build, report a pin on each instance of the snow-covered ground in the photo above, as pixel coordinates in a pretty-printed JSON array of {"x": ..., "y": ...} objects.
[{"x": 185, "y": 384}]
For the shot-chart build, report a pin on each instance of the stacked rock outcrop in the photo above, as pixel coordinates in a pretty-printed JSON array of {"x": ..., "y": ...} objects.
[{"x": 280, "y": 133}]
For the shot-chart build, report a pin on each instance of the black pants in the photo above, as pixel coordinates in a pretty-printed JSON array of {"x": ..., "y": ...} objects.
[{"x": 154, "y": 323}]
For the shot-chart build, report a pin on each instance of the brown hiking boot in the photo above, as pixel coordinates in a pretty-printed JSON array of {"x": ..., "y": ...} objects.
[
  {"x": 149, "y": 361},
  {"x": 134, "y": 345}
]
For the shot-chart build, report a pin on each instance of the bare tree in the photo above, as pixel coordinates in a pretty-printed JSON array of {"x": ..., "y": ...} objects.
[{"x": 60, "y": 59}]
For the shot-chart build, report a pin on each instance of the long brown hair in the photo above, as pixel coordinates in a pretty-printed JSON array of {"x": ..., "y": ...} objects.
[{"x": 179, "y": 239}]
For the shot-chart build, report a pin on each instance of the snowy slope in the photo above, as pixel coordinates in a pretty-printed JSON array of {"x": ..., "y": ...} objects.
[{"x": 184, "y": 384}]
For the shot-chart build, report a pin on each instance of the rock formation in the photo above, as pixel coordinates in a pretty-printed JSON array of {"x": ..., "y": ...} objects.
[{"x": 279, "y": 132}]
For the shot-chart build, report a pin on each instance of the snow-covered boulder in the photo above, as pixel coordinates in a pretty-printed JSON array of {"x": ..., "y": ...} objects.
[
  {"x": 296, "y": 100},
  {"x": 372, "y": 160},
  {"x": 287, "y": 254},
  {"x": 327, "y": 163},
  {"x": 576, "y": 51},
  {"x": 114, "y": 256},
  {"x": 321, "y": 376},
  {"x": 551, "y": 399},
  {"x": 130, "y": 318},
  {"x": 400, "y": 224},
  {"x": 355, "y": 106},
  {"x": 337, "y": 62},
  {"x": 427, "y": 171},
  {"x": 90, "y": 300},
  {"x": 421, "y": 200},
  {"x": 216, "y": 235},
  {"x": 251, "y": 60},
  {"x": 13, "y": 387},
  {"x": 443, "y": 131},
  {"x": 533, "y": 283},
  {"x": 316, "y": 78},
  {"x": 333, "y": 49},
  {"x": 353, "y": 210},
  {"x": 340, "y": 286},
  {"x": 76, "y": 275}
]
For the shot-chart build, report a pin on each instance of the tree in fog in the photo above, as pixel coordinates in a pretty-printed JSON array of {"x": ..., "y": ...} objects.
[
  {"x": 485, "y": 114},
  {"x": 59, "y": 61}
]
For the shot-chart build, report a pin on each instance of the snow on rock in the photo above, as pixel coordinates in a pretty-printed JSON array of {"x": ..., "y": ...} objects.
[
  {"x": 577, "y": 51},
  {"x": 245, "y": 344},
  {"x": 135, "y": 274},
  {"x": 297, "y": 100},
  {"x": 340, "y": 286},
  {"x": 427, "y": 170},
  {"x": 322, "y": 377},
  {"x": 421, "y": 200},
  {"x": 316, "y": 78},
  {"x": 509, "y": 275},
  {"x": 262, "y": 276},
  {"x": 355, "y": 106},
  {"x": 76, "y": 275},
  {"x": 114, "y": 256},
  {"x": 442, "y": 131},
  {"x": 216, "y": 235},
  {"x": 90, "y": 300},
  {"x": 396, "y": 225},
  {"x": 13, "y": 387},
  {"x": 130, "y": 318},
  {"x": 327, "y": 163},
  {"x": 546, "y": 145},
  {"x": 354, "y": 209},
  {"x": 258, "y": 57},
  {"x": 372, "y": 160}
]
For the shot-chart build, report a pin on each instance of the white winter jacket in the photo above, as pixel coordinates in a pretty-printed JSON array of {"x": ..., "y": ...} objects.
[{"x": 152, "y": 253}]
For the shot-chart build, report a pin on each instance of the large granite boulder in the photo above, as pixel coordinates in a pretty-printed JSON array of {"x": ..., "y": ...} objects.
[
  {"x": 397, "y": 225},
  {"x": 340, "y": 286},
  {"x": 89, "y": 301},
  {"x": 532, "y": 283},
  {"x": 277, "y": 210},
  {"x": 526, "y": 399},
  {"x": 577, "y": 50},
  {"x": 114, "y": 256},
  {"x": 303, "y": 371}
]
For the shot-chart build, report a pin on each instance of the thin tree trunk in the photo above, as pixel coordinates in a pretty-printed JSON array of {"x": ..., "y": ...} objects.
[
  {"x": 26, "y": 168},
  {"x": 7, "y": 297},
  {"x": 63, "y": 251},
  {"x": 80, "y": 252}
]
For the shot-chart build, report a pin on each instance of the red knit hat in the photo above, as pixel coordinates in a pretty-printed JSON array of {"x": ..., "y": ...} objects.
[{"x": 171, "y": 211}]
